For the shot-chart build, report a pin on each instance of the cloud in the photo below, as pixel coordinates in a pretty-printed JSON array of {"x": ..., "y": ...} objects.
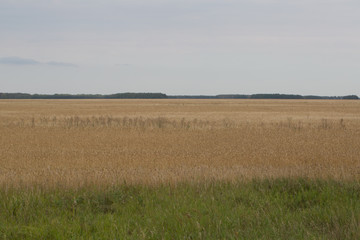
[
  {"x": 123, "y": 65},
  {"x": 29, "y": 61},
  {"x": 18, "y": 61},
  {"x": 61, "y": 64}
]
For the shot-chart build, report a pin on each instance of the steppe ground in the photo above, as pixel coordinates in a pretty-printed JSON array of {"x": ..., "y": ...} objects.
[
  {"x": 179, "y": 169},
  {"x": 74, "y": 143}
]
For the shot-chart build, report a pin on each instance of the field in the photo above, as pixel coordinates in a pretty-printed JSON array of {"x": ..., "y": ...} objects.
[
  {"x": 75, "y": 143},
  {"x": 198, "y": 162}
]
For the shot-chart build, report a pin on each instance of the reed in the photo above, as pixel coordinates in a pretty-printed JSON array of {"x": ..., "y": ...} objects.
[{"x": 104, "y": 143}]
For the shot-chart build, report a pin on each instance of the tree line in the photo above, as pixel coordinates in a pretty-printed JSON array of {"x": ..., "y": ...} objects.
[
  {"x": 262, "y": 96},
  {"x": 83, "y": 96},
  {"x": 164, "y": 96}
]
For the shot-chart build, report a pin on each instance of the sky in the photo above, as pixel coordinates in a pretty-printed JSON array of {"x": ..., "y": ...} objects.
[{"x": 308, "y": 47}]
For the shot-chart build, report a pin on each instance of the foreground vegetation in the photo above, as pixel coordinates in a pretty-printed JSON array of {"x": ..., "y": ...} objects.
[
  {"x": 258, "y": 209},
  {"x": 179, "y": 169}
]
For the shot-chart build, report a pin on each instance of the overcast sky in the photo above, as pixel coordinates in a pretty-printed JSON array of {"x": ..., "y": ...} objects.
[{"x": 180, "y": 46}]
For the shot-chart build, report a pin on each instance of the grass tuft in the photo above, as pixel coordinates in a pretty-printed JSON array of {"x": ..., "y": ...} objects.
[{"x": 271, "y": 209}]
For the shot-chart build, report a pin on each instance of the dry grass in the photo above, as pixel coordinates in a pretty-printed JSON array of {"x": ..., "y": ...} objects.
[{"x": 72, "y": 143}]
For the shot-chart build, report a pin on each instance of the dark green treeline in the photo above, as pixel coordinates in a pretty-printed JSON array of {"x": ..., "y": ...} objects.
[{"x": 164, "y": 96}]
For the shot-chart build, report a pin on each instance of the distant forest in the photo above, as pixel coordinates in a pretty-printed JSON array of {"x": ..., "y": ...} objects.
[
  {"x": 83, "y": 96},
  {"x": 164, "y": 96}
]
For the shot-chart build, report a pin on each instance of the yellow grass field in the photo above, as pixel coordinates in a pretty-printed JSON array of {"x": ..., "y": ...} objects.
[{"x": 72, "y": 143}]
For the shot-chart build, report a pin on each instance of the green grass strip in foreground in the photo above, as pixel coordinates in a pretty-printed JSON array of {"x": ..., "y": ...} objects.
[{"x": 260, "y": 209}]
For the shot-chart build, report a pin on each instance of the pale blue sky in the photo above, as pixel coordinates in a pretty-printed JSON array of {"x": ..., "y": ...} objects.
[{"x": 180, "y": 46}]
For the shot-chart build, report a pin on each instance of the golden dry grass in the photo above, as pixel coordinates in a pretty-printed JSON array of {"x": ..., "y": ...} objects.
[{"x": 72, "y": 143}]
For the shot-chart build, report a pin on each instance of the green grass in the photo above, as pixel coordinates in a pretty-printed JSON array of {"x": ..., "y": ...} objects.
[{"x": 260, "y": 209}]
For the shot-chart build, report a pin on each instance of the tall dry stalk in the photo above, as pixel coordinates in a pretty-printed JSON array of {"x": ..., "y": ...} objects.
[{"x": 51, "y": 144}]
